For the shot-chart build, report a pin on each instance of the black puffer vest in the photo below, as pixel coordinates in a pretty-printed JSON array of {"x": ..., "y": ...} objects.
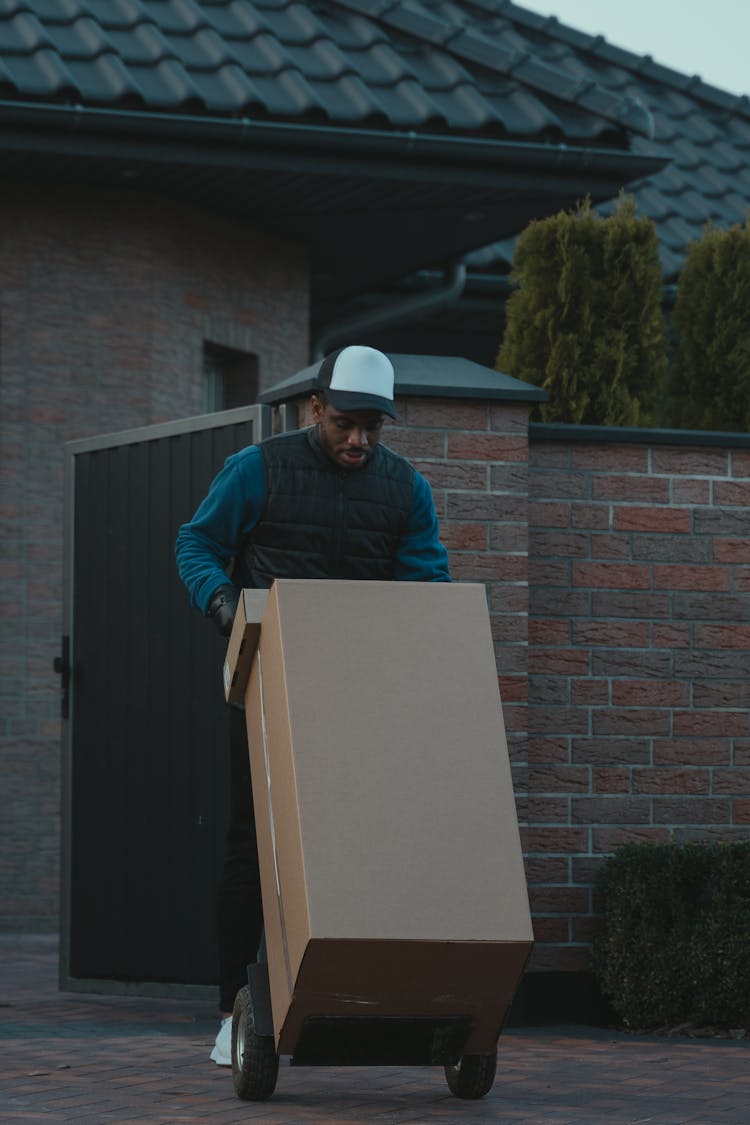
[{"x": 321, "y": 521}]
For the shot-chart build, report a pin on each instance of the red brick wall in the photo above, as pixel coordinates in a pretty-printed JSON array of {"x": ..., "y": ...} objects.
[
  {"x": 104, "y": 307},
  {"x": 618, "y": 577},
  {"x": 639, "y": 664},
  {"x": 622, "y": 637}
]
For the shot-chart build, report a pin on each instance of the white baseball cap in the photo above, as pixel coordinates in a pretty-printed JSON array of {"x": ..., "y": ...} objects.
[{"x": 357, "y": 378}]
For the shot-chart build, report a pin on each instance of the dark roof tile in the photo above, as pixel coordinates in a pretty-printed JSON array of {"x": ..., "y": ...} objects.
[
  {"x": 379, "y": 65},
  {"x": 143, "y": 44},
  {"x": 420, "y": 65},
  {"x": 261, "y": 56},
  {"x": 736, "y": 207},
  {"x": 351, "y": 92},
  {"x": 666, "y": 129},
  {"x": 113, "y": 13},
  {"x": 701, "y": 129},
  {"x": 738, "y": 130},
  {"x": 22, "y": 33},
  {"x": 202, "y": 50},
  {"x": 229, "y": 89},
  {"x": 168, "y": 86},
  {"x": 677, "y": 232},
  {"x": 462, "y": 67},
  {"x": 7, "y": 85},
  {"x": 708, "y": 181},
  {"x": 44, "y": 9},
  {"x": 686, "y": 154},
  {"x": 36, "y": 75},
  {"x": 175, "y": 15},
  {"x": 81, "y": 38},
  {"x": 323, "y": 61},
  {"x": 407, "y": 104},
  {"x": 236, "y": 19},
  {"x": 482, "y": 51},
  {"x": 371, "y": 9},
  {"x": 519, "y": 107},
  {"x": 671, "y": 261},
  {"x": 654, "y": 203},
  {"x": 691, "y": 203},
  {"x": 97, "y": 78},
  {"x": 466, "y": 108},
  {"x": 727, "y": 158},
  {"x": 287, "y": 94},
  {"x": 676, "y": 104},
  {"x": 439, "y": 68},
  {"x": 672, "y": 180},
  {"x": 294, "y": 24},
  {"x": 350, "y": 30},
  {"x": 419, "y": 24}
]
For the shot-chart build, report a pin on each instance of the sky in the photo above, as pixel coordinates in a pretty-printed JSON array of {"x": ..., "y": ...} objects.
[{"x": 710, "y": 38}]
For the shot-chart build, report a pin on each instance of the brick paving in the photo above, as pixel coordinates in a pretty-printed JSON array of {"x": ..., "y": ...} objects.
[{"x": 81, "y": 1058}]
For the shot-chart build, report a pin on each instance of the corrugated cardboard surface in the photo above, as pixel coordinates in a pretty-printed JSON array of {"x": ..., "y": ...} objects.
[
  {"x": 242, "y": 641},
  {"x": 384, "y": 802},
  {"x": 408, "y": 978}
]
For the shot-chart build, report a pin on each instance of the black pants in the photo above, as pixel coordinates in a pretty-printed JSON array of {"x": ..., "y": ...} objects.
[{"x": 239, "y": 910}]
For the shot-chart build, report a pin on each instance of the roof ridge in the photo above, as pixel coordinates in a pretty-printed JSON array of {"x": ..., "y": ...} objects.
[
  {"x": 471, "y": 45},
  {"x": 602, "y": 47}
]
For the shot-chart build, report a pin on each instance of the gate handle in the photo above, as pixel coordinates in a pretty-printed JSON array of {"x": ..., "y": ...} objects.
[{"x": 61, "y": 665}]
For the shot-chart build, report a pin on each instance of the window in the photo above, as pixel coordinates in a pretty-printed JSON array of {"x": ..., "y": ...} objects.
[{"x": 230, "y": 378}]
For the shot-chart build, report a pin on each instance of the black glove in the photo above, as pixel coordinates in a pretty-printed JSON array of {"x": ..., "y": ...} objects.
[{"x": 222, "y": 608}]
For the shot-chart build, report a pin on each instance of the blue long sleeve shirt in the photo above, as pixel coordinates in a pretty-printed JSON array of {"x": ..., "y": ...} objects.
[{"x": 207, "y": 544}]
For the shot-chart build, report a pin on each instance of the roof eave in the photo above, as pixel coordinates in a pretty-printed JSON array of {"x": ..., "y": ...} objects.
[{"x": 159, "y": 137}]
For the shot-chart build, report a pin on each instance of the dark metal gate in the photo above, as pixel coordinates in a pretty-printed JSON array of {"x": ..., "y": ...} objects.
[{"x": 145, "y": 768}]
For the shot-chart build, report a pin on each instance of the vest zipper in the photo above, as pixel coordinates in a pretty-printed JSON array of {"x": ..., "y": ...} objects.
[{"x": 338, "y": 547}]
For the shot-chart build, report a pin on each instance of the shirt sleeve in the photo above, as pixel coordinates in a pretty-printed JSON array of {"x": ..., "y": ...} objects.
[
  {"x": 421, "y": 557},
  {"x": 211, "y": 540}
]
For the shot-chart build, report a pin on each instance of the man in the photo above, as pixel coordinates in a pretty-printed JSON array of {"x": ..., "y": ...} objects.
[{"x": 326, "y": 502}]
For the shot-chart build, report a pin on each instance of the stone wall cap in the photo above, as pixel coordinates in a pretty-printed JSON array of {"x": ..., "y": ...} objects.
[
  {"x": 636, "y": 435},
  {"x": 435, "y": 376}
]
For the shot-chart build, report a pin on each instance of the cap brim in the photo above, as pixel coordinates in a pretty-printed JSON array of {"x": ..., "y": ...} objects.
[{"x": 354, "y": 400}]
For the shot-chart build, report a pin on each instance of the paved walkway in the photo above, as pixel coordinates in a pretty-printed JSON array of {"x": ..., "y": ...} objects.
[{"x": 70, "y": 1057}]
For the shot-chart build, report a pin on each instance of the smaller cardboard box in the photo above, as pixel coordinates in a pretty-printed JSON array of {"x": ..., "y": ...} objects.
[
  {"x": 394, "y": 895},
  {"x": 243, "y": 641}
]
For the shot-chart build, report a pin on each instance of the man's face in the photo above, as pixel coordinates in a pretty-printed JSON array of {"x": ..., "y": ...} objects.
[{"x": 348, "y": 438}]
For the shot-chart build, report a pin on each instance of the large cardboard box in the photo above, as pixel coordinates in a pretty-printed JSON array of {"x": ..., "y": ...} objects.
[{"x": 395, "y": 903}]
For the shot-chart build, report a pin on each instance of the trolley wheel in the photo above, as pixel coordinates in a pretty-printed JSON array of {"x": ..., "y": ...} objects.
[
  {"x": 255, "y": 1064},
  {"x": 472, "y": 1076}
]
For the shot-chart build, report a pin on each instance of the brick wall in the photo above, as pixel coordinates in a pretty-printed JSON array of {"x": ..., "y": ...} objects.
[
  {"x": 618, "y": 575},
  {"x": 639, "y": 663},
  {"x": 618, "y": 579},
  {"x": 105, "y": 303}
]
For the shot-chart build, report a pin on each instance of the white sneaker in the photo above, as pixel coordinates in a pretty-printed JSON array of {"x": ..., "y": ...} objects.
[{"x": 222, "y": 1052}]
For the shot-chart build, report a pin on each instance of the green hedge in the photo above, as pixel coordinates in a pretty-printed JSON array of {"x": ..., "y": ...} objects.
[
  {"x": 711, "y": 382},
  {"x": 675, "y": 940},
  {"x": 585, "y": 322}
]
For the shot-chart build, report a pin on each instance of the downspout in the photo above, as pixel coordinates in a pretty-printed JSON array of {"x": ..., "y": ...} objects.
[{"x": 419, "y": 304}]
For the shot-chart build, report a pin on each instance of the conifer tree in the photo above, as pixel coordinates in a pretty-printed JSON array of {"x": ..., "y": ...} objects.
[
  {"x": 711, "y": 384},
  {"x": 585, "y": 322}
]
